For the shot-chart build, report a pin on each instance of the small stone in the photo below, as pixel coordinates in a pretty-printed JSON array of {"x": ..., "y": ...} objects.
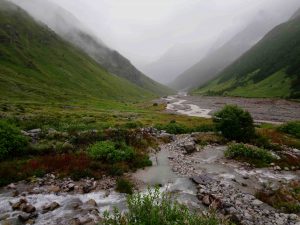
[
  {"x": 11, "y": 186},
  {"x": 206, "y": 200},
  {"x": 28, "y": 208},
  {"x": 257, "y": 202},
  {"x": 54, "y": 189},
  {"x": 75, "y": 221},
  {"x": 92, "y": 202}
]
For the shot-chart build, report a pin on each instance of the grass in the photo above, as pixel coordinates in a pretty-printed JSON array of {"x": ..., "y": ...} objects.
[
  {"x": 255, "y": 156},
  {"x": 154, "y": 208}
]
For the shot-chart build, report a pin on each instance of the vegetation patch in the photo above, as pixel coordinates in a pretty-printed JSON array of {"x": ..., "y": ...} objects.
[
  {"x": 235, "y": 123},
  {"x": 124, "y": 186},
  {"x": 176, "y": 128},
  {"x": 209, "y": 138},
  {"x": 154, "y": 208},
  {"x": 286, "y": 198},
  {"x": 111, "y": 152},
  {"x": 256, "y": 156},
  {"x": 292, "y": 128},
  {"x": 12, "y": 142}
]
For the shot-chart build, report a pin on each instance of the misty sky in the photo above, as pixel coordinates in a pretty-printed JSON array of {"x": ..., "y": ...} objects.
[{"x": 143, "y": 30}]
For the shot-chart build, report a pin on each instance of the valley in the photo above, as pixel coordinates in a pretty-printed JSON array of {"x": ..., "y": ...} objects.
[{"x": 87, "y": 138}]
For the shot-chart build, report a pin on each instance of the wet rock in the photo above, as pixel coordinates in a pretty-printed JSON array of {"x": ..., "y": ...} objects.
[
  {"x": 50, "y": 207},
  {"x": 54, "y": 189},
  {"x": 12, "y": 221},
  {"x": 72, "y": 204},
  {"x": 189, "y": 147},
  {"x": 257, "y": 202},
  {"x": 28, "y": 208},
  {"x": 206, "y": 200},
  {"x": 4, "y": 217},
  {"x": 35, "y": 131},
  {"x": 92, "y": 202},
  {"x": 75, "y": 221},
  {"x": 15, "y": 193},
  {"x": 11, "y": 186},
  {"x": 202, "y": 179},
  {"x": 20, "y": 204}
]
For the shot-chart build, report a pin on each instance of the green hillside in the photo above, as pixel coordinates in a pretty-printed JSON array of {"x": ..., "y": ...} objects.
[
  {"x": 37, "y": 65},
  {"x": 67, "y": 26},
  {"x": 270, "y": 69}
]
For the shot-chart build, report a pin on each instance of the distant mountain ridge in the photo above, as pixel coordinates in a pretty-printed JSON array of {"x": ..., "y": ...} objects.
[
  {"x": 212, "y": 64},
  {"x": 68, "y": 27},
  {"x": 269, "y": 69}
]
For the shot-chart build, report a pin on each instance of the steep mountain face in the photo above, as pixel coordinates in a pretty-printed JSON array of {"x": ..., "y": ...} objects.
[
  {"x": 69, "y": 28},
  {"x": 270, "y": 69},
  {"x": 212, "y": 64},
  {"x": 37, "y": 65},
  {"x": 296, "y": 14},
  {"x": 174, "y": 62}
]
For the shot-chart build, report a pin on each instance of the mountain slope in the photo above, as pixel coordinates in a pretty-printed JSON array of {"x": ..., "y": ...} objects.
[
  {"x": 270, "y": 69},
  {"x": 68, "y": 27},
  {"x": 37, "y": 65},
  {"x": 209, "y": 67}
]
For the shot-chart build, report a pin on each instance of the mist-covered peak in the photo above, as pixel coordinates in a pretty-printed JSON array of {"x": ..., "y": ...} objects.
[{"x": 296, "y": 14}]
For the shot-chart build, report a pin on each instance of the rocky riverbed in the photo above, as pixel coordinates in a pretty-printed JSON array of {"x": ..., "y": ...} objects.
[
  {"x": 201, "y": 177},
  {"x": 262, "y": 110},
  {"x": 229, "y": 186}
]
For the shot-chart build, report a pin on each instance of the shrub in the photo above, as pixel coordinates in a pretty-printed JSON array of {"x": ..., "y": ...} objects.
[
  {"x": 111, "y": 152},
  {"x": 235, "y": 123},
  {"x": 12, "y": 142},
  {"x": 124, "y": 186},
  {"x": 292, "y": 128},
  {"x": 254, "y": 155},
  {"x": 154, "y": 208}
]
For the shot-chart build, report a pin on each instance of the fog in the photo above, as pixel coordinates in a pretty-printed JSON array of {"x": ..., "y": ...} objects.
[{"x": 147, "y": 31}]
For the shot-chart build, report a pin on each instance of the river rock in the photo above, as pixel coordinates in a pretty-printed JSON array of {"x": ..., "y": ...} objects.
[
  {"x": 92, "y": 202},
  {"x": 190, "y": 147},
  {"x": 11, "y": 186},
  {"x": 50, "y": 207},
  {"x": 20, "y": 204},
  {"x": 54, "y": 189},
  {"x": 206, "y": 200},
  {"x": 28, "y": 208}
]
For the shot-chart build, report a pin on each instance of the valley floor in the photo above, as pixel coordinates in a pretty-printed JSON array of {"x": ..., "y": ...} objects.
[{"x": 262, "y": 110}]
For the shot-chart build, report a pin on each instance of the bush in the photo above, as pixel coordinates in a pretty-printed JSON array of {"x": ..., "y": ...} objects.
[
  {"x": 154, "y": 208},
  {"x": 235, "y": 123},
  {"x": 124, "y": 186},
  {"x": 254, "y": 155},
  {"x": 292, "y": 128},
  {"x": 12, "y": 142},
  {"x": 111, "y": 152}
]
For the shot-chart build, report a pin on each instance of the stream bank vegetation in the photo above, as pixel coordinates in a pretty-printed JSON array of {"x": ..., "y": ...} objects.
[
  {"x": 285, "y": 198},
  {"x": 106, "y": 138},
  {"x": 155, "y": 208}
]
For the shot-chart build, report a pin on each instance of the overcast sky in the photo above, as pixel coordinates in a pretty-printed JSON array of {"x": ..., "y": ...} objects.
[{"x": 143, "y": 30}]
